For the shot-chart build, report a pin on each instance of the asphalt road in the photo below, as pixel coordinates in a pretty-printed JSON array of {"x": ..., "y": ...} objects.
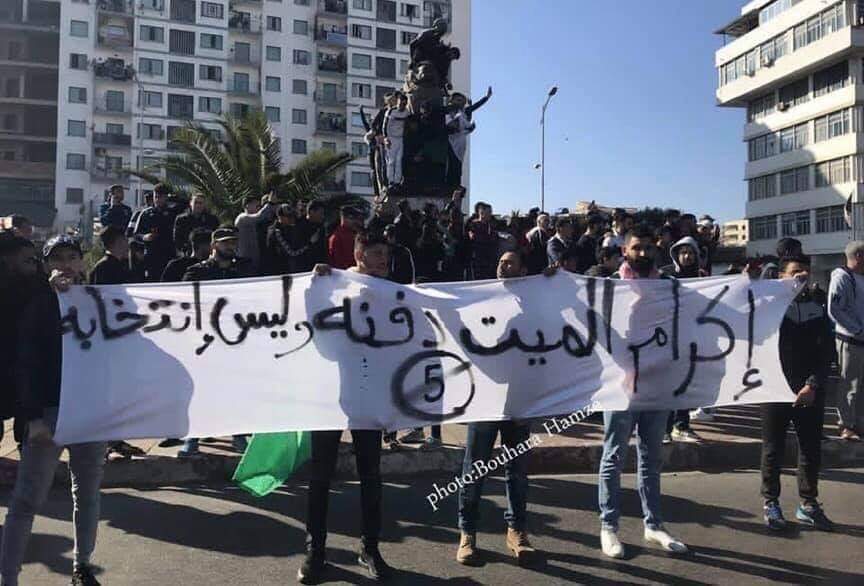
[{"x": 210, "y": 536}]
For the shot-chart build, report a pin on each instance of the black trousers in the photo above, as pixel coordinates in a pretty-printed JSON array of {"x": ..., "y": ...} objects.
[
  {"x": 808, "y": 427},
  {"x": 325, "y": 449}
]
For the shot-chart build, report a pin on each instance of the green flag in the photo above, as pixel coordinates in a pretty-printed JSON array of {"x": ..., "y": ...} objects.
[{"x": 270, "y": 459}]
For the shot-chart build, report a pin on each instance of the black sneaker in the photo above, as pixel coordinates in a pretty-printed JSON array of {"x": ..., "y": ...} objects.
[
  {"x": 370, "y": 558},
  {"x": 312, "y": 568},
  {"x": 813, "y": 515},
  {"x": 773, "y": 516},
  {"x": 83, "y": 576}
]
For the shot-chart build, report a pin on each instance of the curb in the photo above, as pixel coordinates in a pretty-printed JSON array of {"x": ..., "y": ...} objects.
[{"x": 411, "y": 463}]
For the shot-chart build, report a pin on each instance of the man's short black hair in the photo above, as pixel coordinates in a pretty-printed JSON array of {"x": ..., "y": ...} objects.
[
  {"x": 19, "y": 220},
  {"x": 315, "y": 205},
  {"x": 563, "y": 221},
  {"x": 688, "y": 217},
  {"x": 518, "y": 254},
  {"x": 161, "y": 189},
  {"x": 367, "y": 239},
  {"x": 479, "y": 205},
  {"x": 200, "y": 237},
  {"x": 109, "y": 235},
  {"x": 595, "y": 220},
  {"x": 787, "y": 247},
  {"x": 672, "y": 213},
  {"x": 801, "y": 259},
  {"x": 608, "y": 253},
  {"x": 250, "y": 198},
  {"x": 640, "y": 231}
]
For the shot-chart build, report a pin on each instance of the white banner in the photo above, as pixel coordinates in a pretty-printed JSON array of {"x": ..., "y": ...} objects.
[{"x": 350, "y": 351}]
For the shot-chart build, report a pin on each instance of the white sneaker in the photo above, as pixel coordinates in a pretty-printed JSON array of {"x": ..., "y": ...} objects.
[
  {"x": 610, "y": 544},
  {"x": 701, "y": 414},
  {"x": 664, "y": 540}
]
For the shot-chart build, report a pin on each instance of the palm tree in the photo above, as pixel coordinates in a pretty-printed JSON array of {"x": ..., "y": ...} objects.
[{"x": 245, "y": 161}]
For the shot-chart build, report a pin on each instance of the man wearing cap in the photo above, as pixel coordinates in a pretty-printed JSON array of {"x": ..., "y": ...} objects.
[
  {"x": 222, "y": 264},
  {"x": 114, "y": 212},
  {"x": 196, "y": 217},
  {"x": 37, "y": 387},
  {"x": 156, "y": 228},
  {"x": 340, "y": 245}
]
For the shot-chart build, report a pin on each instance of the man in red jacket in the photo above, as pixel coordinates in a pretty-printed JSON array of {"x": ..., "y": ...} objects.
[{"x": 340, "y": 245}]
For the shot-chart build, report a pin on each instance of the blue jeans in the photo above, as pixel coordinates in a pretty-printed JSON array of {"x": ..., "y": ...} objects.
[
  {"x": 618, "y": 427},
  {"x": 478, "y": 448}
]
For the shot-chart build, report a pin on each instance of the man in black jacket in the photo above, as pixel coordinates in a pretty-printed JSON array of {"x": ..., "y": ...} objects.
[
  {"x": 155, "y": 226},
  {"x": 37, "y": 383},
  {"x": 113, "y": 267},
  {"x": 199, "y": 245},
  {"x": 196, "y": 217},
  {"x": 805, "y": 353}
]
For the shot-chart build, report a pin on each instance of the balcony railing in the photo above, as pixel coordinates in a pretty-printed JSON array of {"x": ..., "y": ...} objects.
[
  {"x": 117, "y": 43},
  {"x": 102, "y": 107},
  {"x": 116, "y": 6},
  {"x": 242, "y": 23},
  {"x": 332, "y": 63},
  {"x": 331, "y": 98},
  {"x": 113, "y": 70},
  {"x": 241, "y": 59},
  {"x": 333, "y": 6},
  {"x": 109, "y": 139},
  {"x": 244, "y": 89},
  {"x": 332, "y": 35},
  {"x": 328, "y": 122},
  {"x": 101, "y": 170}
]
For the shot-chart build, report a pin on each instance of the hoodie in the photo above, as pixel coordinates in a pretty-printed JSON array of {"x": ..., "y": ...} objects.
[{"x": 677, "y": 270}]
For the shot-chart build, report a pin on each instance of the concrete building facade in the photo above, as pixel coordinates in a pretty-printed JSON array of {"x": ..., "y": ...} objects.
[
  {"x": 134, "y": 72},
  {"x": 734, "y": 233},
  {"x": 797, "y": 69}
]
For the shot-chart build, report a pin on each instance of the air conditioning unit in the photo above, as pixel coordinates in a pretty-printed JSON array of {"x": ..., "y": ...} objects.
[{"x": 783, "y": 106}]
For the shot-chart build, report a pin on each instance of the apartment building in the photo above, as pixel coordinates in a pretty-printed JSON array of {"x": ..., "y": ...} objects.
[
  {"x": 734, "y": 233},
  {"x": 797, "y": 69},
  {"x": 29, "y": 49},
  {"x": 134, "y": 72}
]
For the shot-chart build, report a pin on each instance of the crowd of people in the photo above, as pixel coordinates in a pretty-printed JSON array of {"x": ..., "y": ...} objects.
[{"x": 173, "y": 240}]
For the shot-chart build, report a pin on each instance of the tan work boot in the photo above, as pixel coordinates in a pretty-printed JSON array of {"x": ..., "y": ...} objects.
[
  {"x": 467, "y": 552},
  {"x": 517, "y": 542}
]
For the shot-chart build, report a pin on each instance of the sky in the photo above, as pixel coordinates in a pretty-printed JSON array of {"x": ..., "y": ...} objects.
[{"x": 635, "y": 120}]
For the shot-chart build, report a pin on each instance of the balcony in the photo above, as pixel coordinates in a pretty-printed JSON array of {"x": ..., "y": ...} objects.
[
  {"x": 241, "y": 22},
  {"x": 243, "y": 59},
  {"x": 116, "y": 43},
  {"x": 102, "y": 171},
  {"x": 329, "y": 122},
  {"x": 27, "y": 169},
  {"x": 109, "y": 139},
  {"x": 332, "y": 63},
  {"x": 337, "y": 7},
  {"x": 244, "y": 88},
  {"x": 332, "y": 35},
  {"x": 113, "y": 69},
  {"x": 103, "y": 107},
  {"x": 329, "y": 97},
  {"x": 126, "y": 7}
]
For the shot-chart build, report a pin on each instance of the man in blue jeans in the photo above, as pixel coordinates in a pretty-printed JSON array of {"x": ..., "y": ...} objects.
[
  {"x": 639, "y": 252},
  {"x": 481, "y": 440}
]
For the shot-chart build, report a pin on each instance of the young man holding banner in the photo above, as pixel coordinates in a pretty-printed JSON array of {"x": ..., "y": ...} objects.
[
  {"x": 371, "y": 257},
  {"x": 640, "y": 252}
]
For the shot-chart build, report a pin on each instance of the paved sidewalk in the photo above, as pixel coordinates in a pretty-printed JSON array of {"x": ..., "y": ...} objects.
[{"x": 731, "y": 441}]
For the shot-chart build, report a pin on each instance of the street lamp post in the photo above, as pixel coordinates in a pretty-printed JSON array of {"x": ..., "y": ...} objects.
[{"x": 552, "y": 91}]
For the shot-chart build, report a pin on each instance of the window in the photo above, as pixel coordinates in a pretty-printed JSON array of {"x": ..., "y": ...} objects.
[
  {"x": 115, "y": 101},
  {"x": 363, "y": 4},
  {"x": 298, "y": 146},
  {"x": 385, "y": 67},
  {"x": 795, "y": 93},
  {"x": 272, "y": 84},
  {"x": 210, "y": 105},
  {"x": 210, "y": 72},
  {"x": 183, "y": 10},
  {"x": 361, "y": 90},
  {"x": 149, "y": 66},
  {"x": 78, "y": 95},
  {"x": 75, "y": 161},
  {"x": 830, "y": 219},
  {"x": 114, "y": 128},
  {"x": 301, "y": 57},
  {"x": 795, "y": 223},
  {"x": 359, "y": 179},
  {"x": 764, "y": 228},
  {"x": 181, "y": 106},
  {"x": 833, "y": 172},
  {"x": 158, "y": 5},
  {"x": 794, "y": 180},
  {"x": 361, "y": 31},
  {"x": 407, "y": 37},
  {"x": 150, "y": 131},
  {"x": 792, "y": 138},
  {"x": 403, "y": 67},
  {"x": 359, "y": 150},
  {"x": 832, "y": 125},
  {"x": 151, "y": 99},
  {"x": 814, "y": 29},
  {"x": 74, "y": 195},
  {"x": 212, "y": 10},
  {"x": 79, "y": 28},
  {"x": 763, "y": 187},
  {"x": 76, "y": 128},
  {"x": 77, "y": 61},
  {"x": 299, "y": 87},
  {"x": 298, "y": 116},
  {"x": 10, "y": 122},
  {"x": 386, "y": 39},
  {"x": 410, "y": 11},
  {"x": 274, "y": 53},
  {"x": 301, "y": 27},
  {"x": 152, "y": 34},
  {"x": 209, "y": 41},
  {"x": 241, "y": 82},
  {"x": 273, "y": 114},
  {"x": 181, "y": 42},
  {"x": 831, "y": 79},
  {"x": 182, "y": 74},
  {"x": 361, "y": 61},
  {"x": 357, "y": 120},
  {"x": 274, "y": 23}
]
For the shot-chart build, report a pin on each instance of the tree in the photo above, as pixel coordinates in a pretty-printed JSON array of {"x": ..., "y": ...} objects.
[{"x": 246, "y": 160}]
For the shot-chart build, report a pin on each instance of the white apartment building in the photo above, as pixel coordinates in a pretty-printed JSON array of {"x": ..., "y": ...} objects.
[
  {"x": 797, "y": 67},
  {"x": 133, "y": 72},
  {"x": 734, "y": 233}
]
